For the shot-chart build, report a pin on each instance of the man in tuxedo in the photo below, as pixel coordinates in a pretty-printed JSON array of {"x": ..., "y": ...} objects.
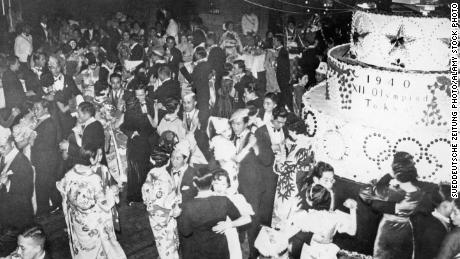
[
  {"x": 200, "y": 86},
  {"x": 13, "y": 89},
  {"x": 169, "y": 87},
  {"x": 174, "y": 57},
  {"x": 216, "y": 58},
  {"x": 88, "y": 134},
  {"x": 117, "y": 91},
  {"x": 16, "y": 185},
  {"x": 41, "y": 35},
  {"x": 91, "y": 34},
  {"x": 182, "y": 173},
  {"x": 23, "y": 46},
  {"x": 31, "y": 244},
  {"x": 190, "y": 114},
  {"x": 250, "y": 178},
  {"x": 270, "y": 141},
  {"x": 283, "y": 72},
  {"x": 45, "y": 158},
  {"x": 242, "y": 81},
  {"x": 137, "y": 52},
  {"x": 35, "y": 76}
]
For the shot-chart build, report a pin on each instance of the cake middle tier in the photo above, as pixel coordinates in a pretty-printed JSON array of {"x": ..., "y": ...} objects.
[{"x": 385, "y": 98}]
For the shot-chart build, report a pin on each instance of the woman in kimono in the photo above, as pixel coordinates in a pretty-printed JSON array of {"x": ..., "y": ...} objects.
[
  {"x": 87, "y": 206},
  {"x": 397, "y": 196},
  {"x": 450, "y": 247},
  {"x": 299, "y": 161},
  {"x": 162, "y": 201},
  {"x": 221, "y": 186},
  {"x": 61, "y": 90},
  {"x": 198, "y": 218}
]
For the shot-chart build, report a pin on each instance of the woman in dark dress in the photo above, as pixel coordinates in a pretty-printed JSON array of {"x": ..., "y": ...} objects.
[
  {"x": 198, "y": 218},
  {"x": 139, "y": 126},
  {"x": 399, "y": 198}
]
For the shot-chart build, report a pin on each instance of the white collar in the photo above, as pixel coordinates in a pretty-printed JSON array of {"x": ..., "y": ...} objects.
[
  {"x": 89, "y": 121},
  {"x": 444, "y": 220},
  {"x": 204, "y": 194},
  {"x": 167, "y": 79},
  {"x": 192, "y": 112},
  {"x": 43, "y": 25},
  {"x": 279, "y": 47},
  {"x": 243, "y": 134},
  {"x": 134, "y": 45},
  {"x": 10, "y": 156},
  {"x": 182, "y": 169}
]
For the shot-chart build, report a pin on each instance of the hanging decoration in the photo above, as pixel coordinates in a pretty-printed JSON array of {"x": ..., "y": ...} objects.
[{"x": 213, "y": 8}]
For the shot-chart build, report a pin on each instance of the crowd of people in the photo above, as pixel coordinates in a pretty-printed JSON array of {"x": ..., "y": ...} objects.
[{"x": 203, "y": 130}]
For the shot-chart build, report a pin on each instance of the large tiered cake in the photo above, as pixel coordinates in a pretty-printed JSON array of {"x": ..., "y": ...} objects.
[{"x": 387, "y": 91}]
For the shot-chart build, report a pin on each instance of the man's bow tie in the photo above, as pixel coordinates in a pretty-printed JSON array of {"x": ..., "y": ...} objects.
[
  {"x": 57, "y": 78},
  {"x": 277, "y": 130},
  {"x": 176, "y": 173}
]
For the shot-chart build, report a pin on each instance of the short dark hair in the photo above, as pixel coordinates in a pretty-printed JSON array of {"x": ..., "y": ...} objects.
[
  {"x": 36, "y": 233},
  {"x": 240, "y": 64},
  {"x": 87, "y": 107},
  {"x": 443, "y": 194},
  {"x": 171, "y": 105},
  {"x": 44, "y": 103},
  {"x": 36, "y": 56},
  {"x": 272, "y": 96},
  {"x": 219, "y": 172},
  {"x": 11, "y": 60},
  {"x": 201, "y": 52},
  {"x": 203, "y": 179},
  {"x": 171, "y": 38},
  {"x": 251, "y": 87},
  {"x": 164, "y": 70},
  {"x": 115, "y": 75},
  {"x": 280, "y": 112}
]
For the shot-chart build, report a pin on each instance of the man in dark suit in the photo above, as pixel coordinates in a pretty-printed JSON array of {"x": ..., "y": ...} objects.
[
  {"x": 34, "y": 76},
  {"x": 431, "y": 229},
  {"x": 283, "y": 72},
  {"x": 90, "y": 136},
  {"x": 270, "y": 141},
  {"x": 169, "y": 88},
  {"x": 182, "y": 173},
  {"x": 174, "y": 57},
  {"x": 200, "y": 86},
  {"x": 16, "y": 185},
  {"x": 137, "y": 52},
  {"x": 216, "y": 58},
  {"x": 91, "y": 34},
  {"x": 41, "y": 35},
  {"x": 45, "y": 158},
  {"x": 12, "y": 87},
  {"x": 250, "y": 178},
  {"x": 243, "y": 80}
]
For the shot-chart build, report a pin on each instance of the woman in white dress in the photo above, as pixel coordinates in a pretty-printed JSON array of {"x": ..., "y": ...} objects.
[
  {"x": 221, "y": 186},
  {"x": 87, "y": 209},
  {"x": 223, "y": 148}
]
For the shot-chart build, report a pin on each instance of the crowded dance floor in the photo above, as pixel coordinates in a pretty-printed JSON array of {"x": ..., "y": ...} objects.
[{"x": 191, "y": 129}]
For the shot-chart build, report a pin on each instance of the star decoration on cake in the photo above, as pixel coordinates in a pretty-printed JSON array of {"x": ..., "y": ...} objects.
[
  {"x": 357, "y": 36},
  {"x": 399, "y": 40}
]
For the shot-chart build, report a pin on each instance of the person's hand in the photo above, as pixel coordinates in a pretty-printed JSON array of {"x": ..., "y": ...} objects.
[
  {"x": 405, "y": 206},
  {"x": 222, "y": 226},
  {"x": 32, "y": 138},
  {"x": 135, "y": 134},
  {"x": 15, "y": 112},
  {"x": 351, "y": 204},
  {"x": 321, "y": 239},
  {"x": 276, "y": 148},
  {"x": 64, "y": 145},
  {"x": 256, "y": 150}
]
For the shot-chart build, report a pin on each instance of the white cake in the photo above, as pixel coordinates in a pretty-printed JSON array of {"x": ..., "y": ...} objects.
[{"x": 368, "y": 110}]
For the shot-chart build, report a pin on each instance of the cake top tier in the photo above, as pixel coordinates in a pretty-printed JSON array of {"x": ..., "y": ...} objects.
[{"x": 401, "y": 42}]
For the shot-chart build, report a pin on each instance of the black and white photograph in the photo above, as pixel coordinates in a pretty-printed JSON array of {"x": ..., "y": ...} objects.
[{"x": 229, "y": 129}]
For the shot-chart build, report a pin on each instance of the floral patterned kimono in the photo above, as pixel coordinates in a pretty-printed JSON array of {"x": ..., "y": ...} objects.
[
  {"x": 299, "y": 159},
  {"x": 162, "y": 198},
  {"x": 87, "y": 211}
]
